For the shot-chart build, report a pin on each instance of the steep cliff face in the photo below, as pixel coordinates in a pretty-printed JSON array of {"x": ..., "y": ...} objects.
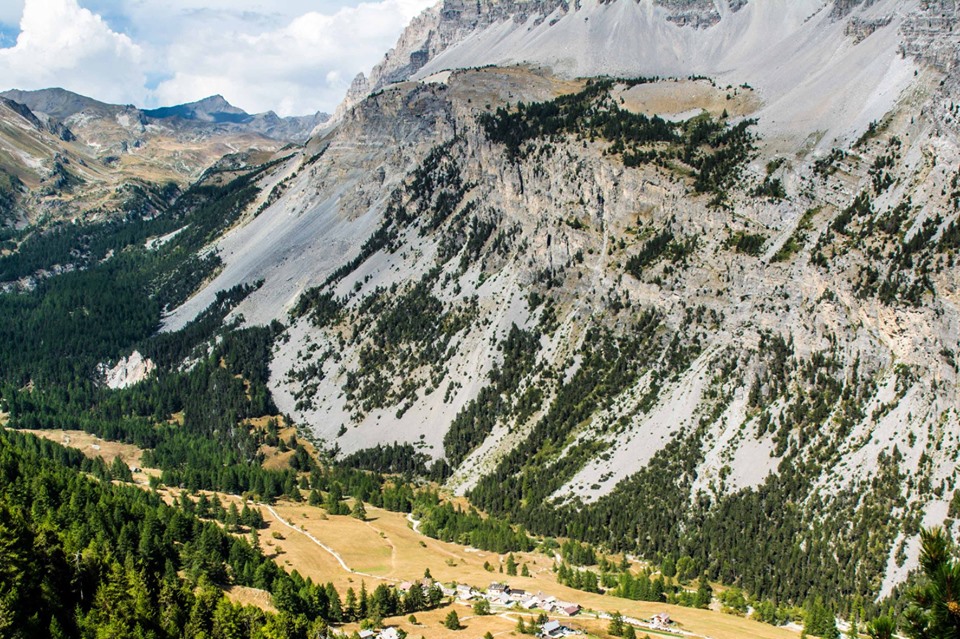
[
  {"x": 624, "y": 309},
  {"x": 452, "y": 23}
]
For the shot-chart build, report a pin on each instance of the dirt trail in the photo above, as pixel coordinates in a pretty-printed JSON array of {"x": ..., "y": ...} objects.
[{"x": 327, "y": 548}]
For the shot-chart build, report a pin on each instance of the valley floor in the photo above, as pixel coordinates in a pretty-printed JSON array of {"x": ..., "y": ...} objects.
[{"x": 387, "y": 548}]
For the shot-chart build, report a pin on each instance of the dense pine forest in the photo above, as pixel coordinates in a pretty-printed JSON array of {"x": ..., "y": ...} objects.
[{"x": 82, "y": 557}]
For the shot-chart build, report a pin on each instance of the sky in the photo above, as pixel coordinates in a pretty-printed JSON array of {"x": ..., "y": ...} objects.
[{"x": 293, "y": 57}]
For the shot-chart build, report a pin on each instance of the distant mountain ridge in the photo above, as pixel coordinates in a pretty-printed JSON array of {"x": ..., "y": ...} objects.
[
  {"x": 53, "y": 141},
  {"x": 211, "y": 115}
]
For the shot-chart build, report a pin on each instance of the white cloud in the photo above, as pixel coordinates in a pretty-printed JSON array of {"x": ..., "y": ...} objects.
[
  {"x": 300, "y": 67},
  {"x": 62, "y": 44},
  {"x": 293, "y": 57}
]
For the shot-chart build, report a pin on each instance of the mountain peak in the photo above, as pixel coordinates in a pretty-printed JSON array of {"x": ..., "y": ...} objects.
[
  {"x": 214, "y": 108},
  {"x": 215, "y": 104},
  {"x": 55, "y": 102}
]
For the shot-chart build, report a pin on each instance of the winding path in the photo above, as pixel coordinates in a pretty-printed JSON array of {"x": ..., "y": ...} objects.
[{"x": 327, "y": 548}]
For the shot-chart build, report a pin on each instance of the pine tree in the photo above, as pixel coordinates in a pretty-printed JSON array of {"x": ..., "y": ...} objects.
[
  {"x": 359, "y": 511},
  {"x": 669, "y": 567},
  {"x": 818, "y": 620},
  {"x": 434, "y": 596},
  {"x": 853, "y": 632},
  {"x": 350, "y": 609},
  {"x": 120, "y": 471},
  {"x": 452, "y": 622},
  {"x": 704, "y": 593},
  {"x": 883, "y": 627},
  {"x": 414, "y": 600},
  {"x": 511, "y": 565},
  {"x": 335, "y": 608},
  {"x": 363, "y": 601},
  {"x": 616, "y": 625},
  {"x": 934, "y": 610}
]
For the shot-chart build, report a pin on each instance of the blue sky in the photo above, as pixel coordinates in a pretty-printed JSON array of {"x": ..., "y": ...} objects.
[{"x": 289, "y": 56}]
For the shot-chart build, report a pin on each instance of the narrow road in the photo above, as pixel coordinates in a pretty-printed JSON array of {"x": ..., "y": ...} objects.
[{"x": 415, "y": 522}]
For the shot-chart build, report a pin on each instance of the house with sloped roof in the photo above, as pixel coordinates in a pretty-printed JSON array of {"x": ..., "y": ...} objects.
[{"x": 555, "y": 630}]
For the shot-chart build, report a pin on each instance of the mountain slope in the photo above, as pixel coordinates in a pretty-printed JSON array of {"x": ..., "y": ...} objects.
[{"x": 711, "y": 318}]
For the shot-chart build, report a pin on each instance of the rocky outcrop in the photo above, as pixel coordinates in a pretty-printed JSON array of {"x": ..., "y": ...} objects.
[
  {"x": 129, "y": 371},
  {"x": 930, "y": 34}
]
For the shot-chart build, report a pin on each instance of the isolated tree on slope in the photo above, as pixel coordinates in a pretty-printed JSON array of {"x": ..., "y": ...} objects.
[
  {"x": 359, "y": 511},
  {"x": 452, "y": 622}
]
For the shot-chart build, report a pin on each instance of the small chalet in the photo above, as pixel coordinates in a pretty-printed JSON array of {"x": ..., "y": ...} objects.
[
  {"x": 571, "y": 609},
  {"x": 498, "y": 588},
  {"x": 516, "y": 594},
  {"x": 661, "y": 621},
  {"x": 389, "y": 633},
  {"x": 367, "y": 634},
  {"x": 554, "y": 630}
]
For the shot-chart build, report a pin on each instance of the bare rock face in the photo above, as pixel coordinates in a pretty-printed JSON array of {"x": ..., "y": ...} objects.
[
  {"x": 573, "y": 38},
  {"x": 843, "y": 8},
  {"x": 128, "y": 372},
  {"x": 930, "y": 34},
  {"x": 453, "y": 21}
]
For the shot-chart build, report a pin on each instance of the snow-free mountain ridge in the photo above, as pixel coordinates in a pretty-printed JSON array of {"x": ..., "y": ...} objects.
[
  {"x": 709, "y": 306},
  {"x": 210, "y": 116}
]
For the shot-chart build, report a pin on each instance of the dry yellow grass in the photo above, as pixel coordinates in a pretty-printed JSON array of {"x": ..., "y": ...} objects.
[
  {"x": 496, "y": 86},
  {"x": 275, "y": 460},
  {"x": 402, "y": 554},
  {"x": 386, "y": 549},
  {"x": 430, "y": 624},
  {"x": 670, "y": 97},
  {"x": 250, "y": 597}
]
